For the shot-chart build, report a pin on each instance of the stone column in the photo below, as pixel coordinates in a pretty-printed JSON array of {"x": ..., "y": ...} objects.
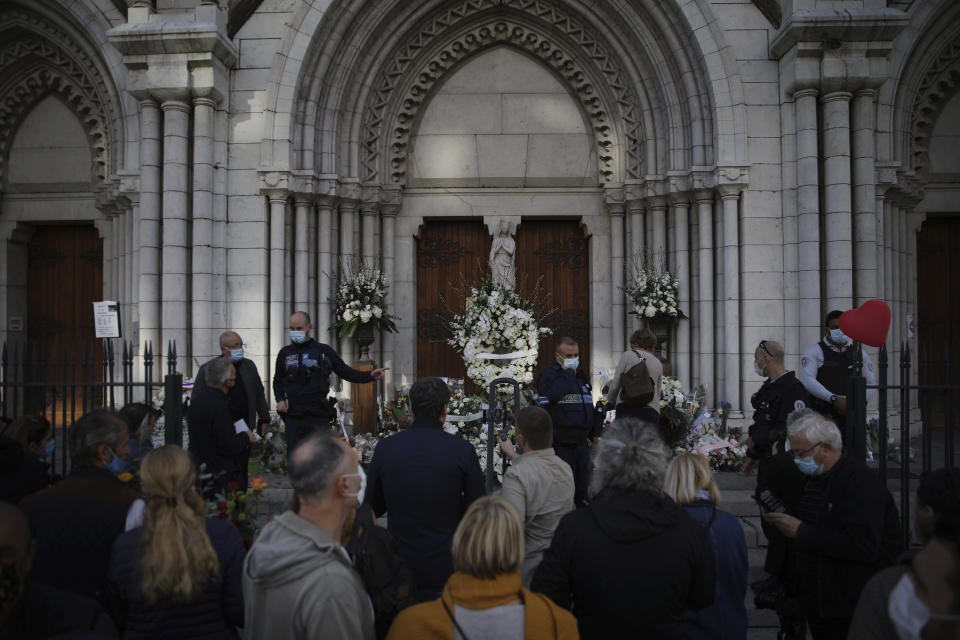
[
  {"x": 838, "y": 220},
  {"x": 368, "y": 230},
  {"x": 348, "y": 214},
  {"x": 220, "y": 228},
  {"x": 325, "y": 268},
  {"x": 731, "y": 291},
  {"x": 175, "y": 282},
  {"x": 888, "y": 267},
  {"x": 203, "y": 330},
  {"x": 616, "y": 210},
  {"x": 658, "y": 246},
  {"x": 301, "y": 257},
  {"x": 681, "y": 269},
  {"x": 865, "y": 235},
  {"x": 389, "y": 213},
  {"x": 705, "y": 298},
  {"x": 808, "y": 216},
  {"x": 635, "y": 250},
  {"x": 788, "y": 201},
  {"x": 279, "y": 319},
  {"x": 149, "y": 226}
]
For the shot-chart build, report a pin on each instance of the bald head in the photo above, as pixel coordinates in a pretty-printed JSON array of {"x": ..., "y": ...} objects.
[
  {"x": 230, "y": 340},
  {"x": 770, "y": 349}
]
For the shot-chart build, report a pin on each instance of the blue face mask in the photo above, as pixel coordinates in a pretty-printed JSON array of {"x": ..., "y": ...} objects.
[
  {"x": 48, "y": 450},
  {"x": 571, "y": 363},
  {"x": 838, "y": 337},
  {"x": 298, "y": 337},
  {"x": 236, "y": 355},
  {"x": 808, "y": 466},
  {"x": 117, "y": 465}
]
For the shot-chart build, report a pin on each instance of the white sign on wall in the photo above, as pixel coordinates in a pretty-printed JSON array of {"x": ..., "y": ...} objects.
[{"x": 106, "y": 319}]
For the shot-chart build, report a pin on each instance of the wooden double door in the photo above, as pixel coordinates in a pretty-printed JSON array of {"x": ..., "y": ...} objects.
[{"x": 552, "y": 264}]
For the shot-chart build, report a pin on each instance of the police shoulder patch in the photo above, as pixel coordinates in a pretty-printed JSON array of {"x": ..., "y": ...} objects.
[
  {"x": 804, "y": 361},
  {"x": 799, "y": 404}
]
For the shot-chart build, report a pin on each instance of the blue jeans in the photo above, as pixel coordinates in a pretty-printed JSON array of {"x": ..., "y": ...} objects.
[{"x": 296, "y": 428}]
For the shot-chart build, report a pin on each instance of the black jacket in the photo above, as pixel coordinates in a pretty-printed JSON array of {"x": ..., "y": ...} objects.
[
  {"x": 213, "y": 438},
  {"x": 213, "y": 615},
  {"x": 565, "y": 394},
  {"x": 249, "y": 386},
  {"x": 857, "y": 533},
  {"x": 75, "y": 523},
  {"x": 772, "y": 403},
  {"x": 302, "y": 377},
  {"x": 46, "y": 612},
  {"x": 21, "y": 472},
  {"x": 426, "y": 478},
  {"x": 630, "y": 564}
]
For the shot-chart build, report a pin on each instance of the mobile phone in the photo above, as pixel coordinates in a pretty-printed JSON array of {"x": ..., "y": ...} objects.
[{"x": 769, "y": 501}]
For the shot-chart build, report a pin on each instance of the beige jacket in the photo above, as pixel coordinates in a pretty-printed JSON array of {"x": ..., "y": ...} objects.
[
  {"x": 627, "y": 360},
  {"x": 540, "y": 486}
]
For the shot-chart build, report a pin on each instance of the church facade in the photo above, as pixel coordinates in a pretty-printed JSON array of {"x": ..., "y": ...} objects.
[{"x": 212, "y": 164}]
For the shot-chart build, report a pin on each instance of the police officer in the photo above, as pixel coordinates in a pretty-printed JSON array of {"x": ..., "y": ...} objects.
[
  {"x": 779, "y": 395},
  {"x": 825, "y": 368},
  {"x": 565, "y": 392},
  {"x": 301, "y": 381}
]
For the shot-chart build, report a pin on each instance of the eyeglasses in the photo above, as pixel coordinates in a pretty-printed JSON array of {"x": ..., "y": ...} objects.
[
  {"x": 763, "y": 345},
  {"x": 803, "y": 452}
]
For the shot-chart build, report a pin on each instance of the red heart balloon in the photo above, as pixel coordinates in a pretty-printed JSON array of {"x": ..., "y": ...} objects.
[{"x": 869, "y": 324}]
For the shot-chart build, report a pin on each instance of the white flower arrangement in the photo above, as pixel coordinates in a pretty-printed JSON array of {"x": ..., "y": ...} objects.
[
  {"x": 723, "y": 453},
  {"x": 497, "y": 321},
  {"x": 653, "y": 293},
  {"x": 360, "y": 299}
]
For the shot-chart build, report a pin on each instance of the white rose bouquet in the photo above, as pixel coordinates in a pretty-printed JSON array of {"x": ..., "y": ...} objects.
[
  {"x": 361, "y": 299},
  {"x": 653, "y": 293}
]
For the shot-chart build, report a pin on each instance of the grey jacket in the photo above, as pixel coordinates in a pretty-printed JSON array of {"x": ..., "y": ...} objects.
[
  {"x": 627, "y": 360},
  {"x": 299, "y": 585},
  {"x": 253, "y": 386},
  {"x": 540, "y": 486}
]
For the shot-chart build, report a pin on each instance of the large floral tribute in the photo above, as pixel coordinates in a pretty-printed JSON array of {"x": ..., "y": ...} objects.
[
  {"x": 361, "y": 299},
  {"x": 498, "y": 334},
  {"x": 653, "y": 293}
]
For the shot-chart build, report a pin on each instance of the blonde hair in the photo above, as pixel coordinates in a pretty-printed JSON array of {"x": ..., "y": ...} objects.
[
  {"x": 687, "y": 474},
  {"x": 489, "y": 540},
  {"x": 178, "y": 559}
]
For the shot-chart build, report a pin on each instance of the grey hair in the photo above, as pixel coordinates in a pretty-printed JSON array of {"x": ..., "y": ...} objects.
[
  {"x": 631, "y": 458},
  {"x": 815, "y": 427},
  {"x": 314, "y": 464},
  {"x": 217, "y": 372},
  {"x": 100, "y": 426}
]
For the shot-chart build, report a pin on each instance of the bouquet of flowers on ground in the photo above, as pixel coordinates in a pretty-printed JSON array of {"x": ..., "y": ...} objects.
[
  {"x": 464, "y": 415},
  {"x": 653, "y": 292},
  {"x": 725, "y": 453},
  {"x": 240, "y": 507},
  {"x": 360, "y": 299},
  {"x": 676, "y": 409},
  {"x": 497, "y": 321}
]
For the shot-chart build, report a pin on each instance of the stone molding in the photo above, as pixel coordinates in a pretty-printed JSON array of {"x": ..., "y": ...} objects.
[
  {"x": 836, "y": 26},
  {"x": 65, "y": 69},
  {"x": 420, "y": 77},
  {"x": 941, "y": 81}
]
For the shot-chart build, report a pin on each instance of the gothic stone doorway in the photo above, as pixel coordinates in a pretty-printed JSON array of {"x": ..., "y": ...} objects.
[{"x": 551, "y": 256}]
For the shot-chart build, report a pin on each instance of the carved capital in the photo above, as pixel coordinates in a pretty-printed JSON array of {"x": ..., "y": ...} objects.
[
  {"x": 275, "y": 180},
  {"x": 613, "y": 199}
]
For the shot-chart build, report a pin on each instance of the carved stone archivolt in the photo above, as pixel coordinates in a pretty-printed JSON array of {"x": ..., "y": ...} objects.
[
  {"x": 555, "y": 37},
  {"x": 940, "y": 83},
  {"x": 47, "y": 60}
]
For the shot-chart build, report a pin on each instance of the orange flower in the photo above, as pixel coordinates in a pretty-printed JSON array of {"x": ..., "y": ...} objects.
[
  {"x": 125, "y": 476},
  {"x": 259, "y": 483}
]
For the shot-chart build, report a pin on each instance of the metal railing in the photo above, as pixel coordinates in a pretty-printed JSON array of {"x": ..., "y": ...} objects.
[
  {"x": 63, "y": 383},
  {"x": 926, "y": 395}
]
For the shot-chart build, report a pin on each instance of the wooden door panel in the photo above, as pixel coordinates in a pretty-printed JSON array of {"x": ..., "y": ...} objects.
[
  {"x": 451, "y": 255},
  {"x": 552, "y": 255}
]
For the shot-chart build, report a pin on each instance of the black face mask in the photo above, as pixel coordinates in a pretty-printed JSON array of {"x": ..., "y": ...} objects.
[{"x": 11, "y": 585}]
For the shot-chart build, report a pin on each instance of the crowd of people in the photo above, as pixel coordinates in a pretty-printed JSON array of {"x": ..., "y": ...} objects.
[{"x": 592, "y": 534}]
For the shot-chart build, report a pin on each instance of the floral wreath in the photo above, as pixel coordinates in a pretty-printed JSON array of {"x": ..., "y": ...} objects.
[
  {"x": 361, "y": 298},
  {"x": 498, "y": 334}
]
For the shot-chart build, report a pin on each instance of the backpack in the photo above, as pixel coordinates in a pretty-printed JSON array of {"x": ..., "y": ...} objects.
[{"x": 637, "y": 385}]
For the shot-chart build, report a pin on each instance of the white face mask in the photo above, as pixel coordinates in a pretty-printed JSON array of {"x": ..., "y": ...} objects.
[
  {"x": 758, "y": 370},
  {"x": 363, "y": 484},
  {"x": 908, "y": 613}
]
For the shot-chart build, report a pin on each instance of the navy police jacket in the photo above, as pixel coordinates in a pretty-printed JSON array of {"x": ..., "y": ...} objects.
[
  {"x": 566, "y": 395},
  {"x": 302, "y": 377}
]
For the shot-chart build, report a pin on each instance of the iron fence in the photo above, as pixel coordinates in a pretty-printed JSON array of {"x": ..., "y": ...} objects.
[
  {"x": 63, "y": 383},
  {"x": 937, "y": 410}
]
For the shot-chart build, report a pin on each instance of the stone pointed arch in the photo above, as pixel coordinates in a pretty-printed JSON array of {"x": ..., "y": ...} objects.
[
  {"x": 609, "y": 102},
  {"x": 41, "y": 57}
]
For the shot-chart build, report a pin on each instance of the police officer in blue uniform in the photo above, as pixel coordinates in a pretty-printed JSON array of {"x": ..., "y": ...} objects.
[
  {"x": 301, "y": 381},
  {"x": 565, "y": 393}
]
